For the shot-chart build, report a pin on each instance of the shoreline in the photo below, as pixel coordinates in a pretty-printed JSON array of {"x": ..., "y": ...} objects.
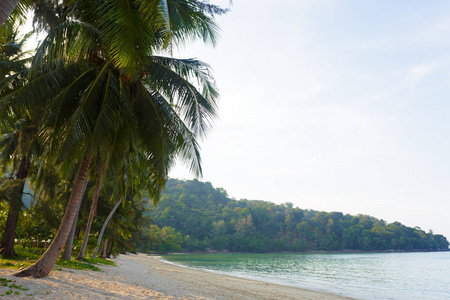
[
  {"x": 305, "y": 252},
  {"x": 146, "y": 277}
]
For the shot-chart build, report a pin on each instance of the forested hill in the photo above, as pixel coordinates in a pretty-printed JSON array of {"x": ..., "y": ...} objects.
[{"x": 193, "y": 215}]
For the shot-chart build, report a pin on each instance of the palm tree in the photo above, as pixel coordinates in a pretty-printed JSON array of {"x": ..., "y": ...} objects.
[
  {"x": 135, "y": 181},
  {"x": 103, "y": 88},
  {"x": 18, "y": 141},
  {"x": 17, "y": 146},
  {"x": 105, "y": 224}
]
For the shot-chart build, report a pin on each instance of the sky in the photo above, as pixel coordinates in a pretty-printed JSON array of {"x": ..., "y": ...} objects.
[{"x": 333, "y": 106}]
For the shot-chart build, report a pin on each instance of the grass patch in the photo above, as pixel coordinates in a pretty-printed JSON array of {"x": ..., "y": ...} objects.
[
  {"x": 12, "y": 264},
  {"x": 78, "y": 265},
  {"x": 12, "y": 287},
  {"x": 100, "y": 261},
  {"x": 28, "y": 256},
  {"x": 23, "y": 259},
  {"x": 28, "y": 253}
]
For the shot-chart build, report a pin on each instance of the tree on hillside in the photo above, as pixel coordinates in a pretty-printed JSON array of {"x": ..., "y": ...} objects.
[{"x": 206, "y": 218}]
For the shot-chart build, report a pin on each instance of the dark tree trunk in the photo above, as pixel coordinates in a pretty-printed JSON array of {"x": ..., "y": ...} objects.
[
  {"x": 9, "y": 235},
  {"x": 110, "y": 249},
  {"x": 77, "y": 231},
  {"x": 105, "y": 247},
  {"x": 15, "y": 207},
  {"x": 45, "y": 264}
]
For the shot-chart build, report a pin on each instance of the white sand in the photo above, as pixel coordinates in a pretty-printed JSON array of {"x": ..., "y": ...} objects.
[{"x": 144, "y": 277}]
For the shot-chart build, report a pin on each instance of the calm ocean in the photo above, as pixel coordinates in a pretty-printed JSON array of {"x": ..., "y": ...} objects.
[{"x": 362, "y": 275}]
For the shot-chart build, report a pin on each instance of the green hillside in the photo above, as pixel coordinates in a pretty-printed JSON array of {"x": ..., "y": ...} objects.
[{"x": 193, "y": 215}]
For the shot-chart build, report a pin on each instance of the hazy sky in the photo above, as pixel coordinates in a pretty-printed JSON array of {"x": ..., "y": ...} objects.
[{"x": 335, "y": 106}]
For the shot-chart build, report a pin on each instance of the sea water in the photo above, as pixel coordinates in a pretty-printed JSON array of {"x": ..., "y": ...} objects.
[{"x": 419, "y": 275}]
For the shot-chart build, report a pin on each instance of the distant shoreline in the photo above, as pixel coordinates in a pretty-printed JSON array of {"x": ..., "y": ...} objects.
[{"x": 315, "y": 251}]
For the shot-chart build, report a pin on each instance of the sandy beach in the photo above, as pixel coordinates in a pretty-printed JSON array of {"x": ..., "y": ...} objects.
[{"x": 143, "y": 277}]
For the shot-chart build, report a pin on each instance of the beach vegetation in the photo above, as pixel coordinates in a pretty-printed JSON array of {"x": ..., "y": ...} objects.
[
  {"x": 100, "y": 261},
  {"x": 27, "y": 256},
  {"x": 78, "y": 265},
  {"x": 11, "y": 285},
  {"x": 108, "y": 108},
  {"x": 17, "y": 143}
]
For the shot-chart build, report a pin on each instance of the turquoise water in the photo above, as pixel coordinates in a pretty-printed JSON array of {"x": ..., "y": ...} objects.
[{"x": 362, "y": 275}]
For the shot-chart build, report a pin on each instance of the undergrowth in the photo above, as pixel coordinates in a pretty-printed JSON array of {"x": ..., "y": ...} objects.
[{"x": 27, "y": 256}]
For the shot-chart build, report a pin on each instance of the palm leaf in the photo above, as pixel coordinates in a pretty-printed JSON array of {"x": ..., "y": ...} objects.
[
  {"x": 196, "y": 109},
  {"x": 71, "y": 41},
  {"x": 177, "y": 138},
  {"x": 129, "y": 38}
]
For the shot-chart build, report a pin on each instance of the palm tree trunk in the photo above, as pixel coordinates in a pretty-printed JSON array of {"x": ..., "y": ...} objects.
[
  {"x": 105, "y": 247},
  {"x": 98, "y": 184},
  {"x": 67, "y": 255},
  {"x": 9, "y": 235},
  {"x": 110, "y": 249},
  {"x": 99, "y": 241},
  {"x": 45, "y": 264},
  {"x": 7, "y": 246},
  {"x": 6, "y": 8}
]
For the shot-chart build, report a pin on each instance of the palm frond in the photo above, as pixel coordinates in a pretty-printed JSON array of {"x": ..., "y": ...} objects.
[
  {"x": 189, "y": 22},
  {"x": 211, "y": 9},
  {"x": 38, "y": 84},
  {"x": 196, "y": 109},
  {"x": 71, "y": 41},
  {"x": 79, "y": 128},
  {"x": 192, "y": 69},
  {"x": 177, "y": 138},
  {"x": 17, "y": 16},
  {"x": 129, "y": 38}
]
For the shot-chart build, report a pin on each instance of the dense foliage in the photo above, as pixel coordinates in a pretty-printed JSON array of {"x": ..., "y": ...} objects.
[
  {"x": 101, "y": 106},
  {"x": 193, "y": 215}
]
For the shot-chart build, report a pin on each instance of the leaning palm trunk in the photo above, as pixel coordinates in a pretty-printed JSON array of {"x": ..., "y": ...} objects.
[
  {"x": 45, "y": 264},
  {"x": 99, "y": 241},
  {"x": 6, "y": 8},
  {"x": 15, "y": 206},
  {"x": 67, "y": 255},
  {"x": 98, "y": 184}
]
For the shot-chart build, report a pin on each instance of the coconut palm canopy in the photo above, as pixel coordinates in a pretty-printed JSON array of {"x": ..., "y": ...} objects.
[{"x": 99, "y": 87}]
